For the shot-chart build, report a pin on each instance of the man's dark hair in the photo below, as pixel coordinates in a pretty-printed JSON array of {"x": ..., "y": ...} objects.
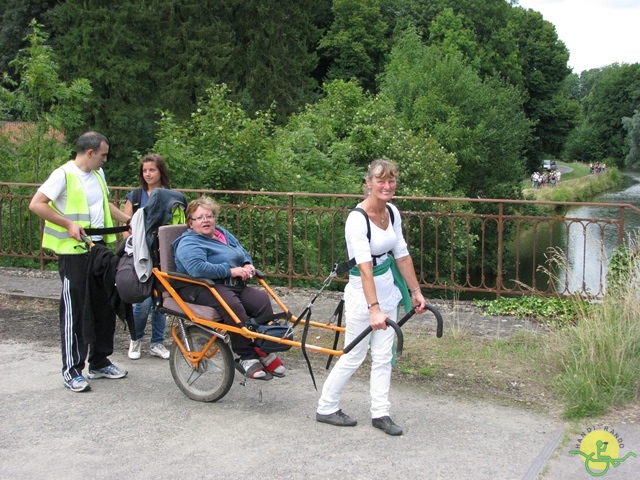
[{"x": 90, "y": 141}]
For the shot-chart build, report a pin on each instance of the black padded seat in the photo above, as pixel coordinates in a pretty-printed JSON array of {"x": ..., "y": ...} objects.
[{"x": 166, "y": 235}]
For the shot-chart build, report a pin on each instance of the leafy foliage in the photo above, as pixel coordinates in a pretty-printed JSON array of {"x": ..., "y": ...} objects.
[
  {"x": 220, "y": 148},
  {"x": 599, "y": 354},
  {"x": 146, "y": 56},
  {"x": 273, "y": 55},
  {"x": 44, "y": 107},
  {"x": 613, "y": 94},
  {"x": 543, "y": 59},
  {"x": 14, "y": 28},
  {"x": 356, "y": 42},
  {"x": 481, "y": 122},
  {"x": 551, "y": 311},
  {"x": 327, "y": 147},
  {"x": 632, "y": 125}
]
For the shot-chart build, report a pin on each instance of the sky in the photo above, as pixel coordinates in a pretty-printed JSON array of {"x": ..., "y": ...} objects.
[{"x": 596, "y": 32}]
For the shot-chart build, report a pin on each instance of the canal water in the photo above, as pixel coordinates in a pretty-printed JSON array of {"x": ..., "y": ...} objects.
[{"x": 586, "y": 247}]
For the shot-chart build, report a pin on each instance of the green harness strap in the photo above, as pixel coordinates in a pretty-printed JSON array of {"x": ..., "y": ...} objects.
[{"x": 390, "y": 263}]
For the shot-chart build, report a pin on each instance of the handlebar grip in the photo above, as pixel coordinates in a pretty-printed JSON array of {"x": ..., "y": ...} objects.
[
  {"x": 438, "y": 315},
  {"x": 87, "y": 240},
  {"x": 368, "y": 330}
]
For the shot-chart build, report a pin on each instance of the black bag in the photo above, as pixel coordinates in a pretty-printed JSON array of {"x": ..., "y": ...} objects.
[
  {"x": 274, "y": 330},
  {"x": 130, "y": 288}
]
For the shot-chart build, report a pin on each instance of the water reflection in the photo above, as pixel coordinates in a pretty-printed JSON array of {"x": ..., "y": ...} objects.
[{"x": 586, "y": 246}]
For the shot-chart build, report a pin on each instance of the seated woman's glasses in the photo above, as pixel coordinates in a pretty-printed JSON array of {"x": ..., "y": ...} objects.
[{"x": 203, "y": 217}]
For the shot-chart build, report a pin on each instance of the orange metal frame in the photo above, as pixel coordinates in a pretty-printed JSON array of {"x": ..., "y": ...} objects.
[{"x": 165, "y": 279}]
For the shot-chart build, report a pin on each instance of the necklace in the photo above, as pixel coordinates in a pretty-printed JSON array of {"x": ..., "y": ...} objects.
[{"x": 381, "y": 215}]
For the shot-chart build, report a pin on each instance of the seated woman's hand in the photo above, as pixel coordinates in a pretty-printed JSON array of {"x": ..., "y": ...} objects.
[{"x": 244, "y": 273}]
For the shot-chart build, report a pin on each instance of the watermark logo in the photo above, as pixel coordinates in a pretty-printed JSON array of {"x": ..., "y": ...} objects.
[{"x": 600, "y": 450}]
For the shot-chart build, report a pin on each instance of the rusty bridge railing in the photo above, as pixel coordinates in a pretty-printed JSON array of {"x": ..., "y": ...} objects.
[{"x": 483, "y": 246}]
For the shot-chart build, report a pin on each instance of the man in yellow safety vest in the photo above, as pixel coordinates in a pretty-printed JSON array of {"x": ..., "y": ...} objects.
[{"x": 75, "y": 197}]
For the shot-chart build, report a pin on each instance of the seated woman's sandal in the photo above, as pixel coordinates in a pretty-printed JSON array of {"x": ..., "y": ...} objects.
[
  {"x": 271, "y": 363},
  {"x": 252, "y": 368}
]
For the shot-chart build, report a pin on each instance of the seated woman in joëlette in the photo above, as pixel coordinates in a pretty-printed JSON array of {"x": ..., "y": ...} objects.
[{"x": 206, "y": 250}]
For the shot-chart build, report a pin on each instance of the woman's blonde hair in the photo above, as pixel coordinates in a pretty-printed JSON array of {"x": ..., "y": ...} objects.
[
  {"x": 203, "y": 201},
  {"x": 380, "y": 169}
]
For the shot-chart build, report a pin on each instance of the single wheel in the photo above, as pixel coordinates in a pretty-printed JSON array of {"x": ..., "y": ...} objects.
[{"x": 214, "y": 376}]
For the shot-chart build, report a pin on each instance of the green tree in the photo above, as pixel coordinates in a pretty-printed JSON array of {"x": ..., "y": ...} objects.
[
  {"x": 615, "y": 94},
  {"x": 582, "y": 145},
  {"x": 586, "y": 81},
  {"x": 45, "y": 107},
  {"x": 481, "y": 122},
  {"x": 220, "y": 147},
  {"x": 273, "y": 58},
  {"x": 449, "y": 31},
  {"x": 632, "y": 125},
  {"x": 14, "y": 28},
  {"x": 327, "y": 147},
  {"x": 113, "y": 45},
  {"x": 146, "y": 56},
  {"x": 501, "y": 39},
  {"x": 487, "y": 22},
  {"x": 194, "y": 49},
  {"x": 543, "y": 59},
  {"x": 356, "y": 42}
]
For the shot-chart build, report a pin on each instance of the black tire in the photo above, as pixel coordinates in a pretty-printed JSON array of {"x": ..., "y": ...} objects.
[{"x": 214, "y": 376}]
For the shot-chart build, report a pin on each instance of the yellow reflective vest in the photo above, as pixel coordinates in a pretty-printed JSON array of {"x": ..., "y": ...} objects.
[{"x": 56, "y": 237}]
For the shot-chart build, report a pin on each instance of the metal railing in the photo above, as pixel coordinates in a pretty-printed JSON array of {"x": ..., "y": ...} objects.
[{"x": 488, "y": 246}]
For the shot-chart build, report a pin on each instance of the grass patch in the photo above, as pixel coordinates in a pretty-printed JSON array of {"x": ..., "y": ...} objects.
[
  {"x": 578, "y": 189},
  {"x": 600, "y": 354},
  {"x": 579, "y": 170},
  {"x": 592, "y": 351},
  {"x": 507, "y": 369}
]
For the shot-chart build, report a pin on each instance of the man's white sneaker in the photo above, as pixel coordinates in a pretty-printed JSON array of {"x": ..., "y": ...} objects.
[
  {"x": 111, "y": 371},
  {"x": 135, "y": 347},
  {"x": 77, "y": 384},
  {"x": 160, "y": 351}
]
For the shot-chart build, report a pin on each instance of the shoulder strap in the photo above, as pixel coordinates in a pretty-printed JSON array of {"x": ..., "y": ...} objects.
[
  {"x": 136, "y": 198},
  {"x": 346, "y": 266},
  {"x": 366, "y": 217},
  {"x": 392, "y": 217},
  {"x": 361, "y": 210}
]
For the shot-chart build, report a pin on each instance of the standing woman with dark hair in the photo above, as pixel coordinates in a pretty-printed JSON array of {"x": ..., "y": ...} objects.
[
  {"x": 153, "y": 174},
  {"x": 383, "y": 277}
]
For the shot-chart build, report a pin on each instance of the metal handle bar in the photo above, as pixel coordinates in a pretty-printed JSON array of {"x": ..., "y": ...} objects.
[
  {"x": 368, "y": 330},
  {"x": 433, "y": 310},
  {"x": 396, "y": 327}
]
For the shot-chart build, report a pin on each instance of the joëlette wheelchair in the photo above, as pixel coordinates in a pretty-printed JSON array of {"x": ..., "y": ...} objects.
[{"x": 201, "y": 361}]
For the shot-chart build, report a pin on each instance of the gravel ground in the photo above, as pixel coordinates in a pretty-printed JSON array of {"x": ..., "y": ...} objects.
[{"x": 144, "y": 427}]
